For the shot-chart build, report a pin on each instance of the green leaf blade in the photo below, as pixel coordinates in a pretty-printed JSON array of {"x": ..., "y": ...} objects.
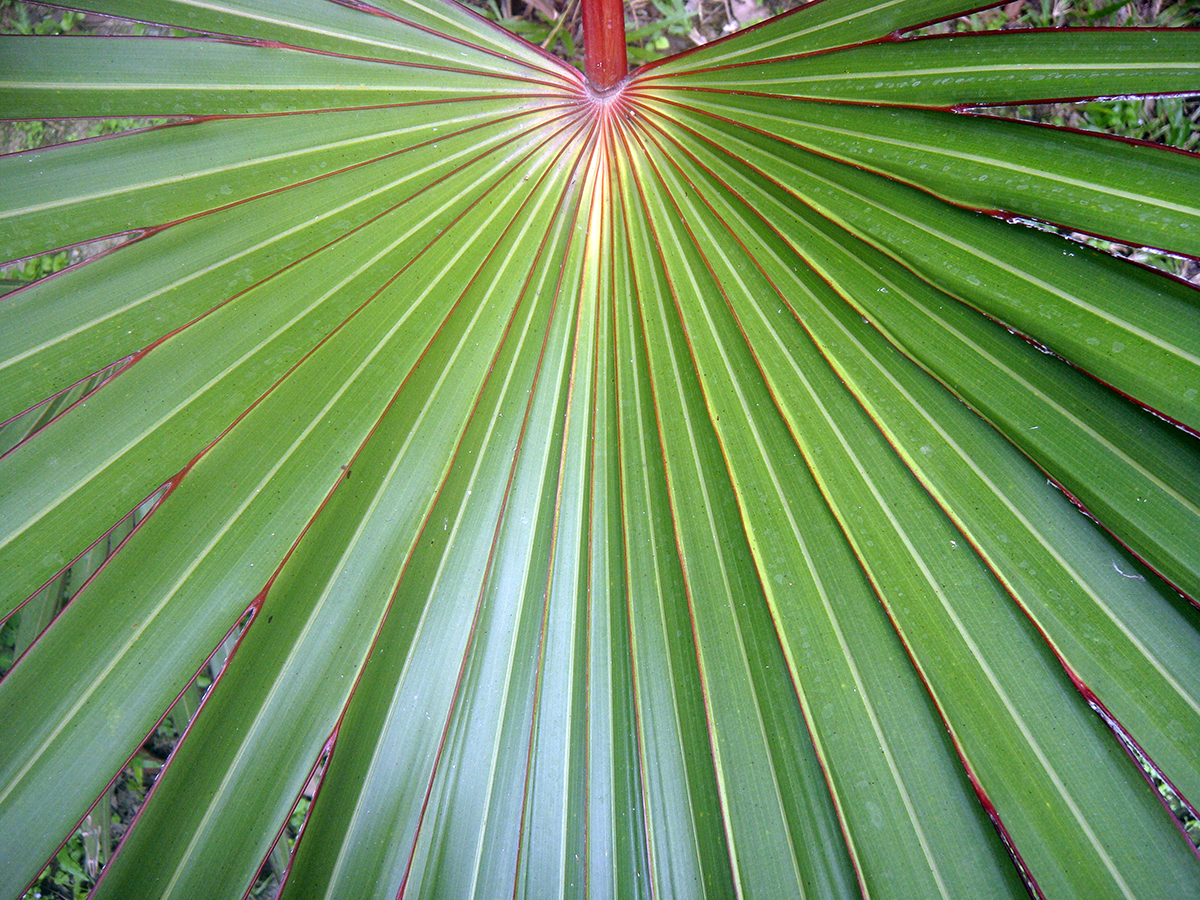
[
  {"x": 656, "y": 493},
  {"x": 974, "y": 69}
]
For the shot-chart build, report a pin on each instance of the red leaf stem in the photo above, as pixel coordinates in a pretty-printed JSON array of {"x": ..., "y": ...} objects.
[{"x": 604, "y": 42}]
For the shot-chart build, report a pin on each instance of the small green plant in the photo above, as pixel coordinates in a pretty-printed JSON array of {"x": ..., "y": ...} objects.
[
  {"x": 35, "y": 19},
  {"x": 8, "y": 640},
  {"x": 66, "y": 878},
  {"x": 1165, "y": 120},
  {"x": 653, "y": 40},
  {"x": 38, "y": 267},
  {"x": 535, "y": 28}
]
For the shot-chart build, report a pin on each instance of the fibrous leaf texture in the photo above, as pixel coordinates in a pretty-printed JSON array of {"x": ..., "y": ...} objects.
[{"x": 673, "y": 492}]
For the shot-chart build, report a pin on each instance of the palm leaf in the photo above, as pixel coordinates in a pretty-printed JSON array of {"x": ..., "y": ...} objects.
[{"x": 663, "y": 492}]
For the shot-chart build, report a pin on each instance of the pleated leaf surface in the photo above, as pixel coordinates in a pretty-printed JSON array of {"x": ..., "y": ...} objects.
[{"x": 714, "y": 488}]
